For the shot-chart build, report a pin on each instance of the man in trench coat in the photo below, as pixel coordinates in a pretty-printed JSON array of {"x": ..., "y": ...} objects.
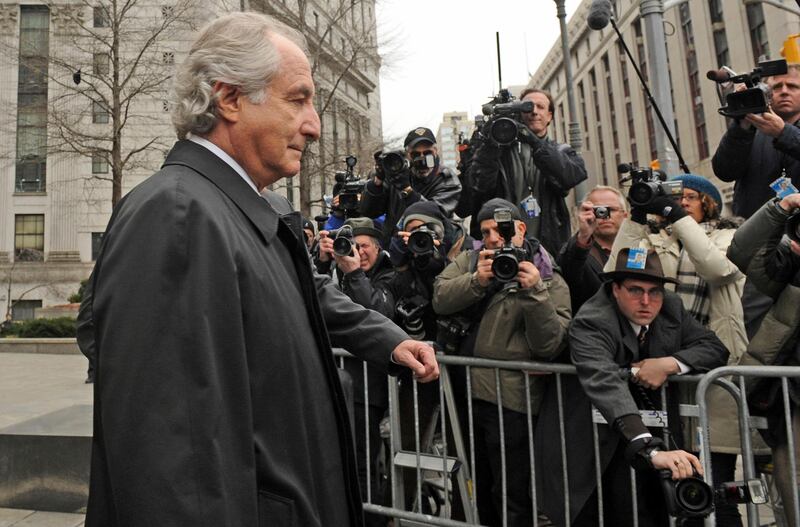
[{"x": 216, "y": 399}]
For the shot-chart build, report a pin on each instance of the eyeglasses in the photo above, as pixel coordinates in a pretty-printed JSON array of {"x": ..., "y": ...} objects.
[
  {"x": 691, "y": 197},
  {"x": 654, "y": 293}
]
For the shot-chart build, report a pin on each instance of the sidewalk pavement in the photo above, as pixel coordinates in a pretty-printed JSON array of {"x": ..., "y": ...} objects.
[{"x": 32, "y": 385}]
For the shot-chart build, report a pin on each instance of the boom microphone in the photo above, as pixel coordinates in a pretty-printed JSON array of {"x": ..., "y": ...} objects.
[
  {"x": 600, "y": 14},
  {"x": 718, "y": 75}
]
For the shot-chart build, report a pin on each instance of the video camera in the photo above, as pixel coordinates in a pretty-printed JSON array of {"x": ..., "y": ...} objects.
[
  {"x": 646, "y": 185},
  {"x": 351, "y": 187},
  {"x": 505, "y": 261},
  {"x": 505, "y": 117},
  {"x": 754, "y": 99}
]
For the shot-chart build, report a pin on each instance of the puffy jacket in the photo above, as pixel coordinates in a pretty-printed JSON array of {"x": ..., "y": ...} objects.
[
  {"x": 517, "y": 325},
  {"x": 547, "y": 168},
  {"x": 443, "y": 187},
  {"x": 754, "y": 160}
]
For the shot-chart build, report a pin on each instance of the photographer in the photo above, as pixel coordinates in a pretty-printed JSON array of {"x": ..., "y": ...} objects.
[
  {"x": 632, "y": 322},
  {"x": 586, "y": 252},
  {"x": 365, "y": 276},
  {"x": 692, "y": 242},
  {"x": 758, "y": 149},
  {"x": 422, "y": 179},
  {"x": 524, "y": 316},
  {"x": 534, "y": 173},
  {"x": 772, "y": 262}
]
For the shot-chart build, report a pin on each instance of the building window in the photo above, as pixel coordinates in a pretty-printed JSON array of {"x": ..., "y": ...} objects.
[
  {"x": 99, "y": 164},
  {"x": 24, "y": 309},
  {"x": 168, "y": 57},
  {"x": 758, "y": 31},
  {"x": 34, "y": 50},
  {"x": 100, "y": 64},
  {"x": 97, "y": 242},
  {"x": 694, "y": 81},
  {"x": 99, "y": 113},
  {"x": 29, "y": 237},
  {"x": 101, "y": 17},
  {"x": 165, "y": 107},
  {"x": 316, "y": 22}
]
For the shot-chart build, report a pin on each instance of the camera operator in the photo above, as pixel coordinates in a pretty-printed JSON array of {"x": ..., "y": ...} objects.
[
  {"x": 632, "y": 322},
  {"x": 534, "y": 173},
  {"x": 365, "y": 275},
  {"x": 424, "y": 179},
  {"x": 519, "y": 314},
  {"x": 760, "y": 148},
  {"x": 586, "y": 252},
  {"x": 691, "y": 243},
  {"x": 772, "y": 263}
]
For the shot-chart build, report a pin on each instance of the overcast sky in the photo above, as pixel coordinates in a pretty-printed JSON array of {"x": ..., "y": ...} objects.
[{"x": 440, "y": 56}]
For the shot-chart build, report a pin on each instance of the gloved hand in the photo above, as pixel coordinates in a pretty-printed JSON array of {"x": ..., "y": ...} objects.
[
  {"x": 665, "y": 206},
  {"x": 401, "y": 180},
  {"x": 527, "y": 136}
]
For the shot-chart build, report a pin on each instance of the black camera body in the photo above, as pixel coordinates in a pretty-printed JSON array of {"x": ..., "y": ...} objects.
[
  {"x": 342, "y": 241},
  {"x": 451, "y": 331},
  {"x": 421, "y": 241},
  {"x": 793, "y": 227},
  {"x": 351, "y": 188},
  {"x": 601, "y": 212},
  {"x": 393, "y": 163},
  {"x": 410, "y": 311},
  {"x": 506, "y": 117},
  {"x": 647, "y": 185},
  {"x": 505, "y": 261},
  {"x": 686, "y": 498},
  {"x": 756, "y": 97}
]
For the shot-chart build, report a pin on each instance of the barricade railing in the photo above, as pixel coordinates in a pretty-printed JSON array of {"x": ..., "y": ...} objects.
[
  {"x": 444, "y": 462},
  {"x": 738, "y": 390}
]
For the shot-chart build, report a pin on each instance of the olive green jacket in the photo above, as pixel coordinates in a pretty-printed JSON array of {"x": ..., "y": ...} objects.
[{"x": 518, "y": 325}]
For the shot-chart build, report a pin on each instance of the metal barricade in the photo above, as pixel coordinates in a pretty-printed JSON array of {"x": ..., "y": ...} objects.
[{"x": 447, "y": 464}]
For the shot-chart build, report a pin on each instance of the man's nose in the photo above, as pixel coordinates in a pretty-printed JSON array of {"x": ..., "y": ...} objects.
[{"x": 311, "y": 125}]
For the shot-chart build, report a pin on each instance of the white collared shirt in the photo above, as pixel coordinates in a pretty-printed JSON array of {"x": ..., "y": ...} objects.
[
  {"x": 220, "y": 153},
  {"x": 636, "y": 328}
]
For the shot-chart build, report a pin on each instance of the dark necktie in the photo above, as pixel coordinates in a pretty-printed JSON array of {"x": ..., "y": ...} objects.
[{"x": 642, "y": 338}]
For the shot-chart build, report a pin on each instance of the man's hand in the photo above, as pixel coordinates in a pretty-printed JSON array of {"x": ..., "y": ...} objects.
[
  {"x": 325, "y": 246},
  {"x": 528, "y": 275},
  {"x": 419, "y": 357},
  {"x": 587, "y": 223},
  {"x": 790, "y": 202},
  {"x": 652, "y": 373},
  {"x": 401, "y": 180},
  {"x": 768, "y": 123},
  {"x": 484, "y": 269},
  {"x": 681, "y": 463},
  {"x": 350, "y": 263}
]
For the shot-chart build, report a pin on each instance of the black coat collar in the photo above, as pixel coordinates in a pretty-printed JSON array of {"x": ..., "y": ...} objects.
[{"x": 207, "y": 164}]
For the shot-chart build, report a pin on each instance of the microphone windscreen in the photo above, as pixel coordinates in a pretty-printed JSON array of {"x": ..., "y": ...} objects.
[
  {"x": 718, "y": 75},
  {"x": 600, "y": 13}
]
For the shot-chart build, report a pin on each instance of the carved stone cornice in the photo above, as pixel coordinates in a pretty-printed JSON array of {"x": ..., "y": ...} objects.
[
  {"x": 67, "y": 19},
  {"x": 8, "y": 18}
]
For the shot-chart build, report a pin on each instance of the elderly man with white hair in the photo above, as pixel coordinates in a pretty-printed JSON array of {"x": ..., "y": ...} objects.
[{"x": 217, "y": 401}]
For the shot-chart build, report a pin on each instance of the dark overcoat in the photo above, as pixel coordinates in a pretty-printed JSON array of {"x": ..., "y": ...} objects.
[
  {"x": 601, "y": 342},
  {"x": 217, "y": 401}
]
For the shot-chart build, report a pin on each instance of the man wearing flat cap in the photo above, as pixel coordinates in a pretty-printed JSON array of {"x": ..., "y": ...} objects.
[
  {"x": 522, "y": 319},
  {"x": 425, "y": 179},
  {"x": 631, "y": 322}
]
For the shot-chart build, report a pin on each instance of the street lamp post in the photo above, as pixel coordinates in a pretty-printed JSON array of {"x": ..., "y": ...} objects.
[{"x": 575, "y": 139}]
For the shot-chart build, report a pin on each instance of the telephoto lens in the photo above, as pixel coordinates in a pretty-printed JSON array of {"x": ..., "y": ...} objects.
[
  {"x": 421, "y": 242},
  {"x": 343, "y": 243},
  {"x": 505, "y": 266}
]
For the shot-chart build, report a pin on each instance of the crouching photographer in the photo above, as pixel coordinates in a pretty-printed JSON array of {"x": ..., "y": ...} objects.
[
  {"x": 364, "y": 274},
  {"x": 519, "y": 309}
]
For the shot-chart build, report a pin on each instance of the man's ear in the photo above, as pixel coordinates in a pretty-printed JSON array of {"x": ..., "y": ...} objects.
[
  {"x": 228, "y": 101},
  {"x": 615, "y": 290},
  {"x": 521, "y": 228}
]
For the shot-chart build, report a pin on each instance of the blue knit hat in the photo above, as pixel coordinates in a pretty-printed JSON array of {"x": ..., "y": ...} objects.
[{"x": 700, "y": 184}]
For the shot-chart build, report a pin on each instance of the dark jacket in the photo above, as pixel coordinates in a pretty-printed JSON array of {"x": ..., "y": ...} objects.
[
  {"x": 548, "y": 169},
  {"x": 601, "y": 342},
  {"x": 754, "y": 160},
  {"x": 443, "y": 187},
  {"x": 581, "y": 268},
  {"x": 371, "y": 289},
  {"x": 217, "y": 401}
]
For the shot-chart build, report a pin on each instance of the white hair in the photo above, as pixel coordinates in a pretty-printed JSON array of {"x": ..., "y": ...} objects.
[{"x": 235, "y": 49}]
